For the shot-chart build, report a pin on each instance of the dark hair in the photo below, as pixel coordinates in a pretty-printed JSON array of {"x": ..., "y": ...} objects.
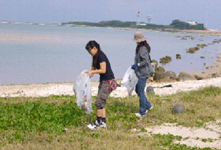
[
  {"x": 143, "y": 43},
  {"x": 90, "y": 45}
]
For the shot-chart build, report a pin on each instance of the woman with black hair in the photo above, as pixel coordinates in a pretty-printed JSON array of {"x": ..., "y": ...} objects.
[
  {"x": 101, "y": 66},
  {"x": 142, "y": 67}
]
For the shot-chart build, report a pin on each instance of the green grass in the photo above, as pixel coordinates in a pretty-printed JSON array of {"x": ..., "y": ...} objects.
[
  {"x": 35, "y": 117},
  {"x": 27, "y": 123}
]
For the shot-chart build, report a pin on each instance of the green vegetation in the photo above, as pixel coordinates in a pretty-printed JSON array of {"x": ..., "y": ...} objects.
[
  {"x": 116, "y": 23},
  {"x": 176, "y": 24},
  {"x": 184, "y": 25},
  {"x": 39, "y": 123}
]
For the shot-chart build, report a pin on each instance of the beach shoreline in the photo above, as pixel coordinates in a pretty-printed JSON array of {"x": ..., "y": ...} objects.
[
  {"x": 211, "y": 76},
  {"x": 210, "y": 71},
  {"x": 185, "y": 31},
  {"x": 44, "y": 90}
]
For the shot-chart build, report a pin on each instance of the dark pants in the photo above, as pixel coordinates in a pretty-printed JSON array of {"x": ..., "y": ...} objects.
[{"x": 144, "y": 104}]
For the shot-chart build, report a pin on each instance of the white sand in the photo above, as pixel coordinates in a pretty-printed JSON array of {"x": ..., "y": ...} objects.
[
  {"x": 41, "y": 90},
  {"x": 209, "y": 136}
]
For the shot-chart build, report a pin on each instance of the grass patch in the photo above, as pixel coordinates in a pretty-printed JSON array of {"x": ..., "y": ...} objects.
[
  {"x": 20, "y": 119},
  {"x": 201, "y": 106},
  {"x": 38, "y": 123}
]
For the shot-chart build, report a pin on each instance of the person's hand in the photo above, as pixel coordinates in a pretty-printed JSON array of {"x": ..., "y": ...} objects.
[
  {"x": 89, "y": 72},
  {"x": 134, "y": 66}
]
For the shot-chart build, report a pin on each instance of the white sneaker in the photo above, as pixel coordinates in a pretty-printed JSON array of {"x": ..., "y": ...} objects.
[
  {"x": 151, "y": 107},
  {"x": 94, "y": 126},
  {"x": 138, "y": 115},
  {"x": 103, "y": 125}
]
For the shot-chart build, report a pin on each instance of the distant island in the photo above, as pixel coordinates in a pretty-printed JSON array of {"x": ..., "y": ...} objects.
[{"x": 175, "y": 25}]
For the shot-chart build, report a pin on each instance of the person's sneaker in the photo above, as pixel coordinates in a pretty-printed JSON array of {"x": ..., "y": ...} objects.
[
  {"x": 151, "y": 107},
  {"x": 94, "y": 125},
  {"x": 139, "y": 115},
  {"x": 103, "y": 125}
]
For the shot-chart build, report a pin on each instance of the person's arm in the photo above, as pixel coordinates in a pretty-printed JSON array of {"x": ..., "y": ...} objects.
[
  {"x": 91, "y": 75},
  {"x": 102, "y": 69},
  {"x": 144, "y": 57}
]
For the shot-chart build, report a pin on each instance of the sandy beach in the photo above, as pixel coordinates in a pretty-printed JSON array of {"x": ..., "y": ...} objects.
[
  {"x": 201, "y": 32},
  {"x": 43, "y": 90}
]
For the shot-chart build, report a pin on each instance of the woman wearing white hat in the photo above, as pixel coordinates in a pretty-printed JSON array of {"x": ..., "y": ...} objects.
[{"x": 142, "y": 69}]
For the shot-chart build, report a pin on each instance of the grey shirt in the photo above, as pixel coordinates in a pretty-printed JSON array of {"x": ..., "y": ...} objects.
[{"x": 143, "y": 58}]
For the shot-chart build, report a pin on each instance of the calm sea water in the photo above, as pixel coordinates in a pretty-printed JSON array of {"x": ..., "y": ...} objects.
[{"x": 59, "y": 55}]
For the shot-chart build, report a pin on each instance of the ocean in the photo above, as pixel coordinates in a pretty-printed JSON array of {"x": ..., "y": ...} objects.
[{"x": 53, "y": 54}]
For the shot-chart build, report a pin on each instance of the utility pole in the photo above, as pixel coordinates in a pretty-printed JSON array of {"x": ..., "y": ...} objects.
[{"x": 138, "y": 17}]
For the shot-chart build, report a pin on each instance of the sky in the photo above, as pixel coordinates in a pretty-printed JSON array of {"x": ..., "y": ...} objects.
[{"x": 164, "y": 12}]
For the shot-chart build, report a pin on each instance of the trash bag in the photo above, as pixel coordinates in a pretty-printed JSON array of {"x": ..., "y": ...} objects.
[
  {"x": 82, "y": 89},
  {"x": 129, "y": 80}
]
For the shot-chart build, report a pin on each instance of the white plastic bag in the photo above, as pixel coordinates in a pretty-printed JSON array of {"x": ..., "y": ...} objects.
[
  {"x": 129, "y": 80},
  {"x": 82, "y": 89}
]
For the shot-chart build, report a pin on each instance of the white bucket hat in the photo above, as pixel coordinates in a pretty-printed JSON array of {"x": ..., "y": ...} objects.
[{"x": 139, "y": 37}]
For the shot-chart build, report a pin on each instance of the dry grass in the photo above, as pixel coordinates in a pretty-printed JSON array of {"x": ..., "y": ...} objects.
[{"x": 81, "y": 138}]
